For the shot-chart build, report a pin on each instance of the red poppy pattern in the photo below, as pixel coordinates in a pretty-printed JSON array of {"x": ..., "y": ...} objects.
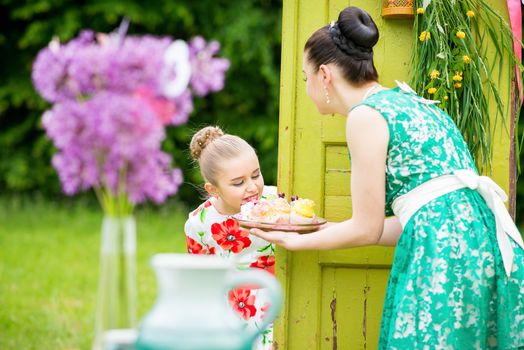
[
  {"x": 243, "y": 302},
  {"x": 266, "y": 262},
  {"x": 264, "y": 310},
  {"x": 229, "y": 236},
  {"x": 193, "y": 247}
]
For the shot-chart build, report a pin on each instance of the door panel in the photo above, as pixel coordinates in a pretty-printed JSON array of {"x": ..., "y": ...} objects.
[
  {"x": 354, "y": 298},
  {"x": 346, "y": 286}
]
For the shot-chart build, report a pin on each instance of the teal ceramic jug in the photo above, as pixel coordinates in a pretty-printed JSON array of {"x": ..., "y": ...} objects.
[{"x": 192, "y": 312}]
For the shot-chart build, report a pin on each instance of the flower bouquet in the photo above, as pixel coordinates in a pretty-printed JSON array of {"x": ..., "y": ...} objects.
[
  {"x": 112, "y": 96},
  {"x": 459, "y": 52}
]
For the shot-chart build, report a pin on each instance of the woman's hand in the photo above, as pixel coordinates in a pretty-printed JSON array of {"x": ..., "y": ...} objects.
[{"x": 288, "y": 240}]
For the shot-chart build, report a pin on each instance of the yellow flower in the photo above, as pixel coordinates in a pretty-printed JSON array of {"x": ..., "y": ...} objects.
[
  {"x": 432, "y": 90},
  {"x": 424, "y": 36},
  {"x": 446, "y": 98},
  {"x": 434, "y": 74},
  {"x": 470, "y": 14},
  {"x": 461, "y": 34},
  {"x": 457, "y": 76},
  {"x": 458, "y": 85},
  {"x": 466, "y": 59},
  {"x": 420, "y": 11}
]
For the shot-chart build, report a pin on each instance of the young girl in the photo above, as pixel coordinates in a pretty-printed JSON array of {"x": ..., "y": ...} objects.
[{"x": 230, "y": 168}]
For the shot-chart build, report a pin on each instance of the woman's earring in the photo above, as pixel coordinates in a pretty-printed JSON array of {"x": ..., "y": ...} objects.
[{"x": 328, "y": 101}]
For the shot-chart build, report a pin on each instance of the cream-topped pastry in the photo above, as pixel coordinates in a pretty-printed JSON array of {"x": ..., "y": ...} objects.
[
  {"x": 302, "y": 211},
  {"x": 260, "y": 211},
  {"x": 278, "y": 210},
  {"x": 283, "y": 209}
]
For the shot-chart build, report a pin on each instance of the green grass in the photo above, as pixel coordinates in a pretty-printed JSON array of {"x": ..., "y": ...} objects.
[{"x": 49, "y": 268}]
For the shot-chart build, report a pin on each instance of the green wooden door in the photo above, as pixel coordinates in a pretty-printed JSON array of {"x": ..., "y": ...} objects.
[{"x": 333, "y": 300}]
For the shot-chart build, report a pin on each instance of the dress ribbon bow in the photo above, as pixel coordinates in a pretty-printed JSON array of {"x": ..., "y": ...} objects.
[
  {"x": 495, "y": 198},
  {"x": 405, "y": 206}
]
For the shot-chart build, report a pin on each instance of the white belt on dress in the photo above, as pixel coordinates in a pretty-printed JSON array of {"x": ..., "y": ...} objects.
[{"x": 408, "y": 204}]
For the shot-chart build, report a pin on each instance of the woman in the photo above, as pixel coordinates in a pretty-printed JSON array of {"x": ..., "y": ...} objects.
[{"x": 456, "y": 281}]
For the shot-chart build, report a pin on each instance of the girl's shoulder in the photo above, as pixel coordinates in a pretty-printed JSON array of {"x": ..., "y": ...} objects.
[
  {"x": 203, "y": 214},
  {"x": 203, "y": 206}
]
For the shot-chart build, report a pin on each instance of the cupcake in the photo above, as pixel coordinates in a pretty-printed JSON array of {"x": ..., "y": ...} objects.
[
  {"x": 259, "y": 211},
  {"x": 302, "y": 211},
  {"x": 245, "y": 210},
  {"x": 282, "y": 209},
  {"x": 279, "y": 211}
]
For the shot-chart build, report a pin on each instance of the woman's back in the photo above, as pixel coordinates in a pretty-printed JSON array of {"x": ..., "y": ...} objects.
[{"x": 424, "y": 142}]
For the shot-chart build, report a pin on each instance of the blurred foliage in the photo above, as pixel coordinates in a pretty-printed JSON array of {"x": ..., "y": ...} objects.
[{"x": 249, "y": 32}]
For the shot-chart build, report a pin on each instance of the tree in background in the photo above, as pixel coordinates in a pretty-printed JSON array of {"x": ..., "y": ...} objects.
[{"x": 248, "y": 30}]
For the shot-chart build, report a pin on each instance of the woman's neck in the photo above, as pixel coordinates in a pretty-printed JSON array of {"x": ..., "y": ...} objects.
[{"x": 350, "y": 96}]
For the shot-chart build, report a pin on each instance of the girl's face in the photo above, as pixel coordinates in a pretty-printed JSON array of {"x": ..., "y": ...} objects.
[
  {"x": 314, "y": 86},
  {"x": 239, "y": 182}
]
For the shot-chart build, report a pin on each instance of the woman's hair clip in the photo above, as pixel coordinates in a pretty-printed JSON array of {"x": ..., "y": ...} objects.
[{"x": 332, "y": 24}]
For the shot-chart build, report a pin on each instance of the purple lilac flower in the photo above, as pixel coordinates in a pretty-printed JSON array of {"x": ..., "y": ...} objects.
[
  {"x": 108, "y": 136},
  {"x": 207, "y": 72},
  {"x": 109, "y": 111},
  {"x": 51, "y": 69},
  {"x": 84, "y": 66},
  {"x": 165, "y": 109},
  {"x": 137, "y": 63},
  {"x": 87, "y": 70},
  {"x": 49, "y": 75},
  {"x": 184, "y": 107},
  {"x": 153, "y": 166}
]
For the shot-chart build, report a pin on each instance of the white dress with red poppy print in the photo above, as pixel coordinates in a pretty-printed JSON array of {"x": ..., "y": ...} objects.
[{"x": 210, "y": 232}]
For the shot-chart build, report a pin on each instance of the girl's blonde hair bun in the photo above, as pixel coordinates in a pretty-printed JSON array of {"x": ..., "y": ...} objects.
[
  {"x": 211, "y": 147},
  {"x": 202, "y": 139}
]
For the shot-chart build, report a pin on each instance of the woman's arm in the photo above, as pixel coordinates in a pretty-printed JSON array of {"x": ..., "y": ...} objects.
[
  {"x": 367, "y": 135},
  {"x": 391, "y": 232}
]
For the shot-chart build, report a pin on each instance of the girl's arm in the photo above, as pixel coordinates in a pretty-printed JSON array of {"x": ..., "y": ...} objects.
[{"x": 367, "y": 136}]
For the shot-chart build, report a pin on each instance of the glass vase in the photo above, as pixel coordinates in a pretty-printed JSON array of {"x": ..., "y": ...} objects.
[{"x": 116, "y": 304}]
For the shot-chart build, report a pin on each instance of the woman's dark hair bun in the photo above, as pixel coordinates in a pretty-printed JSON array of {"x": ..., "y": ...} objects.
[
  {"x": 348, "y": 43},
  {"x": 357, "y": 26}
]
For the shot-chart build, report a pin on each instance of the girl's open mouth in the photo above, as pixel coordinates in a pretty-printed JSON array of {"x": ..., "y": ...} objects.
[{"x": 250, "y": 199}]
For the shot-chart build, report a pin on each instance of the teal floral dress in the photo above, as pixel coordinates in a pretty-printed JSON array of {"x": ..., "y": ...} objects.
[{"x": 448, "y": 288}]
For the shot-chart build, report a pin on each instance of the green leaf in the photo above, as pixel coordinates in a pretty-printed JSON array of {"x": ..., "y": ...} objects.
[
  {"x": 265, "y": 248},
  {"x": 202, "y": 215}
]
